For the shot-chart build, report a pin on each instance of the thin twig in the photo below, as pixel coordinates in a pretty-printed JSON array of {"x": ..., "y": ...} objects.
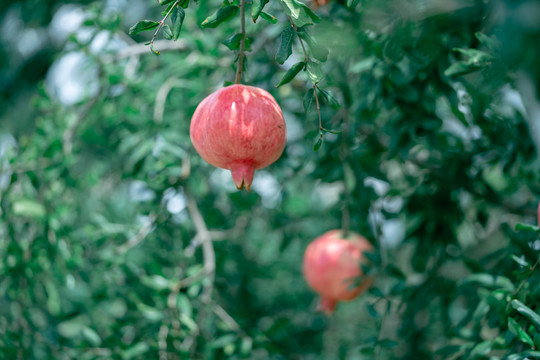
[
  {"x": 318, "y": 108},
  {"x": 209, "y": 257},
  {"x": 209, "y": 266},
  {"x": 161, "y": 97},
  {"x": 67, "y": 137},
  {"x": 241, "y": 52},
  {"x": 138, "y": 49},
  {"x": 139, "y": 237},
  {"x": 162, "y": 341},
  {"x": 161, "y": 23},
  {"x": 228, "y": 319},
  {"x": 527, "y": 279},
  {"x": 306, "y": 56}
]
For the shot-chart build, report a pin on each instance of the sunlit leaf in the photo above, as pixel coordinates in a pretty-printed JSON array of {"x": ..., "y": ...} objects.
[{"x": 143, "y": 25}]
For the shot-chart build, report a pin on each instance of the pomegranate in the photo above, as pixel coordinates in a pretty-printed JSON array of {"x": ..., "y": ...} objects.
[
  {"x": 317, "y": 3},
  {"x": 332, "y": 267},
  {"x": 240, "y": 128}
]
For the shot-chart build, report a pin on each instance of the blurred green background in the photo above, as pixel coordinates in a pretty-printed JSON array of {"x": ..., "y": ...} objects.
[{"x": 101, "y": 252}]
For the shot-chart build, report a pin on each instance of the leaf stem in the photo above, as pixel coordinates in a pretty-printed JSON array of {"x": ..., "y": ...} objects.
[
  {"x": 306, "y": 56},
  {"x": 318, "y": 108},
  {"x": 241, "y": 52}
]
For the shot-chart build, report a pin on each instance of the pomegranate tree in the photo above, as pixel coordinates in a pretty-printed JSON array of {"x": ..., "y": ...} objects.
[
  {"x": 332, "y": 267},
  {"x": 240, "y": 128}
]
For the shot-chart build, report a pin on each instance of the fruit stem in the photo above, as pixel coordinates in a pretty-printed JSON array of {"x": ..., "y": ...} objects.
[
  {"x": 327, "y": 305},
  {"x": 241, "y": 53}
]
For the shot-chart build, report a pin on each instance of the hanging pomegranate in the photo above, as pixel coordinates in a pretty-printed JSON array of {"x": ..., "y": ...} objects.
[
  {"x": 240, "y": 128},
  {"x": 332, "y": 267}
]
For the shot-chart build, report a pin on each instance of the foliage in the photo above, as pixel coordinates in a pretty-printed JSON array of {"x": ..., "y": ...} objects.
[{"x": 423, "y": 119}]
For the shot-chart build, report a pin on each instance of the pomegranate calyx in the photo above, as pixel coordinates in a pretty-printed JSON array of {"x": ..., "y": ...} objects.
[{"x": 242, "y": 175}]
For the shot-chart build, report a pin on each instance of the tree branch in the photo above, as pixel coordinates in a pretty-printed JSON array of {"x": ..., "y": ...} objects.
[{"x": 204, "y": 236}]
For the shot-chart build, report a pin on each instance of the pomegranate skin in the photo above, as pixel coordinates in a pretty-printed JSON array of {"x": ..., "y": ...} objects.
[
  {"x": 240, "y": 128},
  {"x": 332, "y": 265}
]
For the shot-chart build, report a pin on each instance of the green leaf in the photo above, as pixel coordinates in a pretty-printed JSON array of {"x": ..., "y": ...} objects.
[
  {"x": 520, "y": 261},
  {"x": 308, "y": 99},
  {"x": 527, "y": 227},
  {"x": 285, "y": 45},
  {"x": 514, "y": 327},
  {"x": 91, "y": 336},
  {"x": 477, "y": 59},
  {"x": 291, "y": 73},
  {"x": 189, "y": 323},
  {"x": 337, "y": 132},
  {"x": 527, "y": 312},
  {"x": 459, "y": 68},
  {"x": 223, "y": 14},
  {"x": 268, "y": 17},
  {"x": 314, "y": 72},
  {"x": 387, "y": 343},
  {"x": 394, "y": 271},
  {"x": 233, "y": 42},
  {"x": 177, "y": 21},
  {"x": 256, "y": 8},
  {"x": 136, "y": 350},
  {"x": 299, "y": 13},
  {"x": 184, "y": 305},
  {"x": 223, "y": 341},
  {"x": 525, "y": 355},
  {"x": 372, "y": 311},
  {"x": 489, "y": 281},
  {"x": 155, "y": 282},
  {"x": 351, "y": 4},
  {"x": 482, "y": 349},
  {"x": 246, "y": 346},
  {"x": 318, "y": 144},
  {"x": 29, "y": 208},
  {"x": 490, "y": 42},
  {"x": 318, "y": 51},
  {"x": 166, "y": 2},
  {"x": 167, "y": 33},
  {"x": 71, "y": 328},
  {"x": 143, "y": 25},
  {"x": 350, "y": 183},
  {"x": 332, "y": 101}
]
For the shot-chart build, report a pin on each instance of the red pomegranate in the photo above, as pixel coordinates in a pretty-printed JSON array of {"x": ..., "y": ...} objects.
[
  {"x": 332, "y": 267},
  {"x": 240, "y": 128},
  {"x": 317, "y": 3}
]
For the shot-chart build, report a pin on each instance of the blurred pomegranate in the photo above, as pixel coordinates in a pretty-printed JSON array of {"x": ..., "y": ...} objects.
[
  {"x": 332, "y": 267},
  {"x": 317, "y": 3},
  {"x": 240, "y": 128}
]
